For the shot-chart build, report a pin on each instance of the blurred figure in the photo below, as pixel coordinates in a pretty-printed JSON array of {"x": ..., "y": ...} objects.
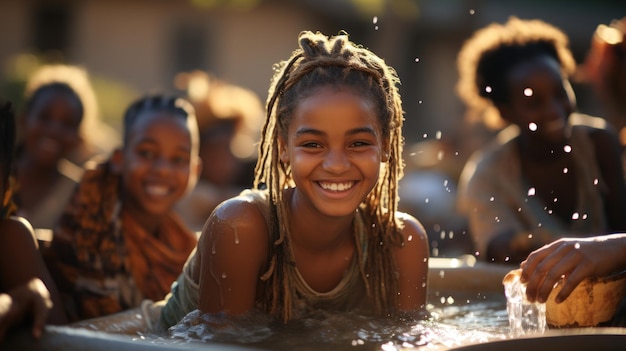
[
  {"x": 58, "y": 131},
  {"x": 27, "y": 292},
  {"x": 551, "y": 172},
  {"x": 118, "y": 241},
  {"x": 605, "y": 70},
  {"x": 229, "y": 119}
]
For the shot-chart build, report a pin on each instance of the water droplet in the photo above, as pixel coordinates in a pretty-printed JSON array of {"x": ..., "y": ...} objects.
[
  {"x": 567, "y": 148},
  {"x": 492, "y": 198},
  {"x": 531, "y": 192},
  {"x": 423, "y": 284},
  {"x": 530, "y": 236},
  {"x": 426, "y": 200},
  {"x": 424, "y": 135},
  {"x": 577, "y": 246},
  {"x": 409, "y": 238},
  {"x": 442, "y": 235},
  {"x": 497, "y": 219},
  {"x": 425, "y": 259},
  {"x": 417, "y": 59},
  {"x": 528, "y": 92},
  {"x": 451, "y": 235},
  {"x": 532, "y": 126},
  {"x": 375, "y": 20},
  {"x": 445, "y": 182},
  {"x": 440, "y": 155},
  {"x": 420, "y": 102},
  {"x": 584, "y": 216},
  {"x": 443, "y": 299},
  {"x": 472, "y": 11},
  {"x": 438, "y": 135},
  {"x": 224, "y": 275},
  {"x": 575, "y": 215},
  {"x": 488, "y": 89},
  {"x": 450, "y": 300},
  {"x": 555, "y": 200},
  {"x": 506, "y": 259},
  {"x": 595, "y": 181},
  {"x": 565, "y": 170}
]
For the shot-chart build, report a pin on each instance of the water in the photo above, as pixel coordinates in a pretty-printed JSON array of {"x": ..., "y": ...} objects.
[
  {"x": 525, "y": 318},
  {"x": 455, "y": 321}
]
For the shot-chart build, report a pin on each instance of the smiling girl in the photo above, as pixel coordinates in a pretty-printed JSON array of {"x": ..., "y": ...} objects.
[
  {"x": 118, "y": 241},
  {"x": 319, "y": 229}
]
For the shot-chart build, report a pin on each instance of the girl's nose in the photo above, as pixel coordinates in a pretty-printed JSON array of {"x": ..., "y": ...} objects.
[{"x": 336, "y": 161}]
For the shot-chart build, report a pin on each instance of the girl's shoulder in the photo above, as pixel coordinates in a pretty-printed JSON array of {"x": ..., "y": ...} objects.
[
  {"x": 411, "y": 227},
  {"x": 245, "y": 215}
]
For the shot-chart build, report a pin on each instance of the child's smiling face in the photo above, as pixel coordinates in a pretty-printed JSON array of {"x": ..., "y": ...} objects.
[
  {"x": 335, "y": 148},
  {"x": 539, "y": 94},
  {"x": 51, "y": 126},
  {"x": 157, "y": 163}
]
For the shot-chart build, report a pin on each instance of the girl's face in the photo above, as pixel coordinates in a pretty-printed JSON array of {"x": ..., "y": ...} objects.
[
  {"x": 51, "y": 126},
  {"x": 335, "y": 148},
  {"x": 540, "y": 99},
  {"x": 157, "y": 164}
]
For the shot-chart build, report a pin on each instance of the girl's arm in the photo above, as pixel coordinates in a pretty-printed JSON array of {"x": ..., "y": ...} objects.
[
  {"x": 574, "y": 258},
  {"x": 234, "y": 250},
  {"x": 412, "y": 264},
  {"x": 21, "y": 265}
]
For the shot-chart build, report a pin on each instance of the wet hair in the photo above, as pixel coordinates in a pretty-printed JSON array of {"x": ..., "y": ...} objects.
[
  {"x": 322, "y": 61},
  {"x": 486, "y": 59},
  {"x": 176, "y": 107},
  {"x": 7, "y": 142}
]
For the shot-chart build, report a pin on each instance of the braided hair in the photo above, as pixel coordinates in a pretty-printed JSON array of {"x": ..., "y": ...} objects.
[
  {"x": 488, "y": 56},
  {"x": 336, "y": 61},
  {"x": 173, "y": 105}
]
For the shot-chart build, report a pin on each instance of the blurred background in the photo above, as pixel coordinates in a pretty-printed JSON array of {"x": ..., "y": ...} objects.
[{"x": 133, "y": 47}]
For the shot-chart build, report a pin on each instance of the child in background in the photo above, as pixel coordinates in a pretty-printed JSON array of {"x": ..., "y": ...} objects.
[
  {"x": 118, "y": 241},
  {"x": 26, "y": 288},
  {"x": 58, "y": 133},
  {"x": 551, "y": 172},
  {"x": 229, "y": 119},
  {"x": 320, "y": 229}
]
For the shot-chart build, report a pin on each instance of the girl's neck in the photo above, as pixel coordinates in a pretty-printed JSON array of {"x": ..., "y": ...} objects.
[
  {"x": 314, "y": 231},
  {"x": 540, "y": 152},
  {"x": 148, "y": 222},
  {"x": 28, "y": 167}
]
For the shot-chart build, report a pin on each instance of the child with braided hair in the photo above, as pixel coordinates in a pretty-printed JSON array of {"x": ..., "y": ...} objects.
[
  {"x": 319, "y": 229},
  {"x": 119, "y": 242}
]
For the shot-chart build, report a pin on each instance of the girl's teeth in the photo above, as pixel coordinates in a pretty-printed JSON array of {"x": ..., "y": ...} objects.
[
  {"x": 336, "y": 186},
  {"x": 157, "y": 190}
]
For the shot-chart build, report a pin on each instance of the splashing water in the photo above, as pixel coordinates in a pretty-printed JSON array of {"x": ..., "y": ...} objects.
[{"x": 525, "y": 317}]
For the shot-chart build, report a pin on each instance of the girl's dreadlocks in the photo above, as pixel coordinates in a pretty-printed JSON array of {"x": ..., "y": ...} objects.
[{"x": 336, "y": 61}]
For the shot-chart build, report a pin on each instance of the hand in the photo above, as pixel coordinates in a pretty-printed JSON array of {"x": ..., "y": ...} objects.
[
  {"x": 32, "y": 298},
  {"x": 573, "y": 260}
]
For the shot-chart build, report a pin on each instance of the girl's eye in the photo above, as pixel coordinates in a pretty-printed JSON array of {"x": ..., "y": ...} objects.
[
  {"x": 311, "y": 144},
  {"x": 180, "y": 160},
  {"x": 360, "y": 143},
  {"x": 146, "y": 153}
]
